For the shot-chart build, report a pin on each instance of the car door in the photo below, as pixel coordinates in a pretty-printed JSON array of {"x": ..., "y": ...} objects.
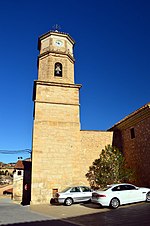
[
  {"x": 135, "y": 195},
  {"x": 76, "y": 194},
  {"x": 121, "y": 193},
  {"x": 86, "y": 193}
]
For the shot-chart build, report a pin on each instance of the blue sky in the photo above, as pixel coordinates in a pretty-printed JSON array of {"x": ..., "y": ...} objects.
[{"x": 112, "y": 53}]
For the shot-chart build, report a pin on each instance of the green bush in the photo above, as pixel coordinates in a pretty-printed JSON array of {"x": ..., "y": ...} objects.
[{"x": 109, "y": 168}]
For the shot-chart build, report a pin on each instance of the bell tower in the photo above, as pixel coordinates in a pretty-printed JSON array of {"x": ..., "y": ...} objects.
[
  {"x": 56, "y": 60},
  {"x": 56, "y": 126}
]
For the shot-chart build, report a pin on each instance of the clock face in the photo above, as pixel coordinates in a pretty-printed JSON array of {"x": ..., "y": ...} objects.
[{"x": 58, "y": 43}]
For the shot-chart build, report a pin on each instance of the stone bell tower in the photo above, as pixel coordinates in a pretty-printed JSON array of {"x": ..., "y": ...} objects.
[
  {"x": 56, "y": 60},
  {"x": 56, "y": 128}
]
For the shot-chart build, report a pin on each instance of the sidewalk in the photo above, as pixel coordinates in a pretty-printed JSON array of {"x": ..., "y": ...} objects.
[{"x": 5, "y": 187}]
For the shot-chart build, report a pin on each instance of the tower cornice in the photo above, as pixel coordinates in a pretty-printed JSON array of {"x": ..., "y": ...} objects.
[
  {"x": 58, "y": 84},
  {"x": 56, "y": 33},
  {"x": 54, "y": 51}
]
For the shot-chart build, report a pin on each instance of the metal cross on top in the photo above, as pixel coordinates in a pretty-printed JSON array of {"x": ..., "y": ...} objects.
[{"x": 56, "y": 27}]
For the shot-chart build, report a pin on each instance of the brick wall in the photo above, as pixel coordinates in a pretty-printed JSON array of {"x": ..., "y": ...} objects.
[{"x": 136, "y": 150}]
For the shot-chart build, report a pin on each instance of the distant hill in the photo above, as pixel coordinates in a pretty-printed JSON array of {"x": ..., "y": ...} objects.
[{"x": 7, "y": 165}]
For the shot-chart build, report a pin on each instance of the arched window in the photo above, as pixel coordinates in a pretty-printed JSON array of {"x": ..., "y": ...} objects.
[{"x": 58, "y": 69}]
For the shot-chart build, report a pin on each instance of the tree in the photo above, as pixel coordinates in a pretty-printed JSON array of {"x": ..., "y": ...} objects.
[
  {"x": 109, "y": 168},
  {"x": 2, "y": 172}
]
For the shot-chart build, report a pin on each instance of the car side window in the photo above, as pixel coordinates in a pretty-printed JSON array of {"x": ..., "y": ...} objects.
[
  {"x": 75, "y": 189},
  {"x": 117, "y": 188},
  {"x": 85, "y": 189},
  {"x": 123, "y": 188},
  {"x": 130, "y": 187}
]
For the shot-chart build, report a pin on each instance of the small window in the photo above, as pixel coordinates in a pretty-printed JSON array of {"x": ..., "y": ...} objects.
[
  {"x": 132, "y": 132},
  {"x": 58, "y": 69},
  {"x": 19, "y": 173}
]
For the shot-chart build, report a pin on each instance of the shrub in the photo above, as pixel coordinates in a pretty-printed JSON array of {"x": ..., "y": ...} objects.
[{"x": 109, "y": 168}]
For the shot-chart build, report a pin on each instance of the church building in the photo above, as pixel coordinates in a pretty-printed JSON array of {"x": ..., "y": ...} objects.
[
  {"x": 61, "y": 151},
  {"x": 132, "y": 136}
]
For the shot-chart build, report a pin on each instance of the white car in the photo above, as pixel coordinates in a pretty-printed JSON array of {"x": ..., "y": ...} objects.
[
  {"x": 72, "y": 195},
  {"x": 119, "y": 194}
]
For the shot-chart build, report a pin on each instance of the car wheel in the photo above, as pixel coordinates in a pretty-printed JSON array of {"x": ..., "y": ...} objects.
[
  {"x": 114, "y": 203},
  {"x": 68, "y": 201},
  {"x": 148, "y": 197}
]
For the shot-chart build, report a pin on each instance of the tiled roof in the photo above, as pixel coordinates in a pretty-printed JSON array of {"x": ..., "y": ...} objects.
[
  {"x": 23, "y": 165},
  {"x": 138, "y": 111},
  {"x": 19, "y": 165}
]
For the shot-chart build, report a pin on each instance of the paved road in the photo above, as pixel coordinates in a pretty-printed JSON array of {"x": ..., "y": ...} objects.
[
  {"x": 17, "y": 215},
  {"x": 78, "y": 214},
  {"x": 130, "y": 215},
  {"x": 93, "y": 215}
]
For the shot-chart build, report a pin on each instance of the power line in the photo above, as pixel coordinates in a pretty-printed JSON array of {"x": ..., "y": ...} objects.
[{"x": 8, "y": 152}]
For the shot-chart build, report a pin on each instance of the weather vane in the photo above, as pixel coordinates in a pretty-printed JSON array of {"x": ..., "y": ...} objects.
[{"x": 56, "y": 27}]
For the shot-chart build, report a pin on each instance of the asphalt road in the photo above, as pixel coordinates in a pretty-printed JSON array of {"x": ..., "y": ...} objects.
[
  {"x": 77, "y": 214},
  {"x": 129, "y": 215}
]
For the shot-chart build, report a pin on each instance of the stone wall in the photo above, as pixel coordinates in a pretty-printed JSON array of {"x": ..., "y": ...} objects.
[
  {"x": 55, "y": 158},
  {"x": 56, "y": 140},
  {"x": 18, "y": 186},
  {"x": 46, "y": 69},
  {"x": 92, "y": 143},
  {"x": 65, "y": 160},
  {"x": 61, "y": 153}
]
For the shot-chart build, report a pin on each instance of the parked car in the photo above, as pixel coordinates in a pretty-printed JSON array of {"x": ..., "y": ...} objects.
[
  {"x": 119, "y": 194},
  {"x": 72, "y": 195}
]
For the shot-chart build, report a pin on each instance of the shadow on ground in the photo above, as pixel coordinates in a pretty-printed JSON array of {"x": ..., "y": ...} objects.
[
  {"x": 45, "y": 223},
  {"x": 135, "y": 215}
]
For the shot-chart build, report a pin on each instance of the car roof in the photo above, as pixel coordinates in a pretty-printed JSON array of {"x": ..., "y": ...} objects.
[{"x": 112, "y": 185}]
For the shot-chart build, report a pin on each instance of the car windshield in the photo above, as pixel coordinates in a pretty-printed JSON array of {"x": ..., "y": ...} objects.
[{"x": 66, "y": 189}]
